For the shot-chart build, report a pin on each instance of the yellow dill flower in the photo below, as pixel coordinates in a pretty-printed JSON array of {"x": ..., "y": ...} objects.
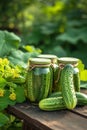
[
  {"x": 2, "y": 92},
  {"x": 5, "y": 61},
  {"x": 0, "y": 60},
  {"x": 12, "y": 96},
  {"x": 17, "y": 69},
  {"x": 15, "y": 73}
]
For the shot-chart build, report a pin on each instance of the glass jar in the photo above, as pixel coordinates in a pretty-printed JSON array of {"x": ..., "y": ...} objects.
[
  {"x": 38, "y": 79},
  {"x": 54, "y": 69},
  {"x": 73, "y": 61}
]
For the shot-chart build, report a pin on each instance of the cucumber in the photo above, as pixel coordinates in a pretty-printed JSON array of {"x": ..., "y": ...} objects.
[
  {"x": 45, "y": 86},
  {"x": 67, "y": 84},
  {"x": 55, "y": 68},
  {"x": 76, "y": 80},
  {"x": 55, "y": 94},
  {"x": 57, "y": 103},
  {"x": 30, "y": 89},
  {"x": 51, "y": 104},
  {"x": 81, "y": 97},
  {"x": 51, "y": 81}
]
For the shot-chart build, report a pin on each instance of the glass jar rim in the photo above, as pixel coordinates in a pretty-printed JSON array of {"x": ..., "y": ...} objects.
[
  {"x": 39, "y": 61},
  {"x": 66, "y": 60}
]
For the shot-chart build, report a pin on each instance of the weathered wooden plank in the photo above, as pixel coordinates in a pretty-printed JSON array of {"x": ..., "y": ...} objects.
[
  {"x": 82, "y": 110},
  {"x": 84, "y": 91},
  {"x": 42, "y": 120}
]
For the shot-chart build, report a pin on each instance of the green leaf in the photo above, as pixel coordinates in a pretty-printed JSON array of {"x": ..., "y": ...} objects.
[
  {"x": 74, "y": 35},
  {"x": 16, "y": 61},
  {"x": 3, "y": 119},
  {"x": 58, "y": 50},
  {"x": 71, "y": 35},
  {"x": 83, "y": 75},
  {"x": 20, "y": 94},
  {"x": 80, "y": 66},
  {"x": 83, "y": 34},
  {"x": 5, "y": 101},
  {"x": 16, "y": 54},
  {"x": 3, "y": 82},
  {"x": 35, "y": 36},
  {"x": 81, "y": 53},
  {"x": 49, "y": 28},
  {"x": 7, "y": 42},
  {"x": 20, "y": 58},
  {"x": 10, "y": 102}
]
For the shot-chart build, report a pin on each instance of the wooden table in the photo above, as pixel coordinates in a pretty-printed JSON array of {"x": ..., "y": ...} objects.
[{"x": 36, "y": 119}]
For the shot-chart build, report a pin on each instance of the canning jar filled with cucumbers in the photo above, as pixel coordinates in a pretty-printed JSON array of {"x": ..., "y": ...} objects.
[
  {"x": 38, "y": 79},
  {"x": 73, "y": 61},
  {"x": 54, "y": 69}
]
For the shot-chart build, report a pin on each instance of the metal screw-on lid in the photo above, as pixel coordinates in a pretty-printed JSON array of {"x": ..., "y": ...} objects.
[
  {"x": 68, "y": 60},
  {"x": 39, "y": 61},
  {"x": 53, "y": 58}
]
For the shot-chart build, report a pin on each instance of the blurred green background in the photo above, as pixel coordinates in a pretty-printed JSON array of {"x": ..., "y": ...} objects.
[
  {"x": 47, "y": 26},
  {"x": 55, "y": 26}
]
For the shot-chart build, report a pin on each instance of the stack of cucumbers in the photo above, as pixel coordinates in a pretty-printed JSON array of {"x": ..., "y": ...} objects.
[{"x": 70, "y": 95}]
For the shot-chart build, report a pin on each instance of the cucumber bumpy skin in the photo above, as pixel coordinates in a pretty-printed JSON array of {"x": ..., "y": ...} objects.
[
  {"x": 55, "y": 101},
  {"x": 67, "y": 84},
  {"x": 51, "y": 104},
  {"x": 45, "y": 86},
  {"x": 30, "y": 91},
  {"x": 76, "y": 78},
  {"x": 81, "y": 97},
  {"x": 55, "y": 94}
]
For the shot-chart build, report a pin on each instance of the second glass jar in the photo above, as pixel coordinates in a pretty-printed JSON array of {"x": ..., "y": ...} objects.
[{"x": 54, "y": 69}]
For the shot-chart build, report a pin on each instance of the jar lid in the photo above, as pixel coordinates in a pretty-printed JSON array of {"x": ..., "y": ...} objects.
[
  {"x": 68, "y": 60},
  {"x": 49, "y": 56},
  {"x": 39, "y": 61},
  {"x": 53, "y": 58}
]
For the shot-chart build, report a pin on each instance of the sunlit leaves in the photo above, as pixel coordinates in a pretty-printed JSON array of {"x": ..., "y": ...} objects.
[
  {"x": 74, "y": 35},
  {"x": 7, "y": 42},
  {"x": 80, "y": 66},
  {"x": 18, "y": 57},
  {"x": 83, "y": 71},
  {"x": 83, "y": 75}
]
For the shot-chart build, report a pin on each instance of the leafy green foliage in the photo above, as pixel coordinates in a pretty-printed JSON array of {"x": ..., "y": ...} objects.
[
  {"x": 3, "y": 119},
  {"x": 9, "y": 47},
  {"x": 64, "y": 28},
  {"x": 83, "y": 75},
  {"x": 51, "y": 25},
  {"x": 2, "y": 82},
  {"x": 80, "y": 66},
  {"x": 18, "y": 57},
  {"x": 20, "y": 94},
  {"x": 11, "y": 92},
  {"x": 7, "y": 42}
]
